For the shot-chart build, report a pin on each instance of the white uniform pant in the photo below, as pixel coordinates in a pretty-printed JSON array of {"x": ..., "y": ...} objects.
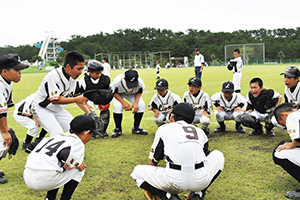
[
  {"x": 177, "y": 181},
  {"x": 2, "y": 147},
  {"x": 222, "y": 115},
  {"x": 293, "y": 155},
  {"x": 118, "y": 107},
  {"x": 46, "y": 180},
  {"x": 163, "y": 116},
  {"x": 32, "y": 128},
  {"x": 53, "y": 122},
  {"x": 261, "y": 117},
  {"x": 204, "y": 120},
  {"x": 236, "y": 80}
]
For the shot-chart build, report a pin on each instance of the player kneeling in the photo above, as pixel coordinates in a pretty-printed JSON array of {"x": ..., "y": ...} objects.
[
  {"x": 162, "y": 102},
  {"x": 58, "y": 161},
  {"x": 228, "y": 107},
  {"x": 189, "y": 165}
]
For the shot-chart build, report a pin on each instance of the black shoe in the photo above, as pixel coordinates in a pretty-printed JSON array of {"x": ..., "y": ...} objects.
[
  {"x": 240, "y": 129},
  {"x": 256, "y": 132},
  {"x": 105, "y": 135},
  {"x": 2, "y": 173},
  {"x": 220, "y": 129},
  {"x": 139, "y": 131},
  {"x": 116, "y": 133},
  {"x": 93, "y": 137},
  {"x": 25, "y": 145},
  {"x": 206, "y": 131},
  {"x": 174, "y": 197},
  {"x": 196, "y": 197},
  {"x": 293, "y": 194},
  {"x": 3, "y": 180},
  {"x": 270, "y": 132}
]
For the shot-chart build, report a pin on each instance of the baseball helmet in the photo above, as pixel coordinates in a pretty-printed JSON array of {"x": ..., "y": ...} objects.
[{"x": 95, "y": 65}]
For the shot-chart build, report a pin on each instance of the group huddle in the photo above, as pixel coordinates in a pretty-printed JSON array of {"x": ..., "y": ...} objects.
[{"x": 57, "y": 160}]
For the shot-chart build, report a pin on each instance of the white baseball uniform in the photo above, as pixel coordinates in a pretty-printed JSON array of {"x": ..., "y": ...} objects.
[
  {"x": 23, "y": 115},
  {"x": 157, "y": 70},
  {"x": 5, "y": 102},
  {"x": 237, "y": 73},
  {"x": 198, "y": 60},
  {"x": 200, "y": 102},
  {"x": 187, "y": 166},
  {"x": 292, "y": 95},
  {"x": 106, "y": 69},
  {"x": 163, "y": 104},
  {"x": 237, "y": 100},
  {"x": 54, "y": 162},
  {"x": 119, "y": 86},
  {"x": 53, "y": 117}
]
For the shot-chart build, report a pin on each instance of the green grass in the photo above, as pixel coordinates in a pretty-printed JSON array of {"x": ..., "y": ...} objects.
[{"x": 249, "y": 171}]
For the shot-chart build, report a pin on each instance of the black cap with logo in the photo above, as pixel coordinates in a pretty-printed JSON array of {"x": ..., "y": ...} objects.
[
  {"x": 131, "y": 77},
  {"x": 291, "y": 71},
  {"x": 11, "y": 61},
  {"x": 83, "y": 123},
  {"x": 161, "y": 84},
  {"x": 228, "y": 87},
  {"x": 184, "y": 110},
  {"x": 196, "y": 82}
]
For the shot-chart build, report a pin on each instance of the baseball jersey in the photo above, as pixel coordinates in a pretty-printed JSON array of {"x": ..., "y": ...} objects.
[
  {"x": 56, "y": 84},
  {"x": 157, "y": 67},
  {"x": 24, "y": 106},
  {"x": 237, "y": 100},
  {"x": 199, "y": 59},
  {"x": 199, "y": 102},
  {"x": 292, "y": 95},
  {"x": 292, "y": 125},
  {"x": 164, "y": 103},
  {"x": 59, "y": 153},
  {"x": 106, "y": 69},
  {"x": 119, "y": 86},
  {"x": 239, "y": 64},
  {"x": 5, "y": 95},
  {"x": 181, "y": 143}
]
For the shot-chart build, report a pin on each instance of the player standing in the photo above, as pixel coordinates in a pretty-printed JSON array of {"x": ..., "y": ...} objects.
[
  {"x": 157, "y": 70},
  {"x": 236, "y": 65},
  {"x": 131, "y": 87},
  {"x": 106, "y": 66},
  {"x": 228, "y": 107},
  {"x": 201, "y": 103},
  {"x": 58, "y": 161},
  {"x": 162, "y": 102},
  {"x": 10, "y": 71},
  {"x": 292, "y": 89},
  {"x": 59, "y": 88},
  {"x": 189, "y": 165},
  {"x": 198, "y": 63}
]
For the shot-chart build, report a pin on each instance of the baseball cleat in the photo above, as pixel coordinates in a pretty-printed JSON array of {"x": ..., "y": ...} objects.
[
  {"x": 293, "y": 194},
  {"x": 256, "y": 132},
  {"x": 116, "y": 133},
  {"x": 3, "y": 180},
  {"x": 174, "y": 197},
  {"x": 220, "y": 129},
  {"x": 150, "y": 196},
  {"x": 196, "y": 197},
  {"x": 139, "y": 131},
  {"x": 270, "y": 133},
  {"x": 2, "y": 173},
  {"x": 206, "y": 131},
  {"x": 240, "y": 129},
  {"x": 105, "y": 135},
  {"x": 25, "y": 145}
]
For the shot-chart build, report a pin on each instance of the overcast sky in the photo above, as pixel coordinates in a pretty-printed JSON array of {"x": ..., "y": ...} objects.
[{"x": 27, "y": 21}]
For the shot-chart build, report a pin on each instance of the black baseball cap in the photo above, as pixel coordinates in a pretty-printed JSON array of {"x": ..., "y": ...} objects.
[
  {"x": 228, "y": 87},
  {"x": 161, "y": 84},
  {"x": 184, "y": 110},
  {"x": 196, "y": 82},
  {"x": 131, "y": 77},
  {"x": 83, "y": 123},
  {"x": 197, "y": 49},
  {"x": 11, "y": 60},
  {"x": 291, "y": 71},
  {"x": 105, "y": 58}
]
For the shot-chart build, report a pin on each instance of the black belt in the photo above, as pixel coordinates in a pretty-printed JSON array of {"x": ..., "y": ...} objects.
[{"x": 178, "y": 167}]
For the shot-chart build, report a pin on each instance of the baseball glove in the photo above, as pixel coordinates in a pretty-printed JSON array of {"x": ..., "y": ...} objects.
[
  {"x": 99, "y": 96},
  {"x": 229, "y": 67},
  {"x": 98, "y": 121}
]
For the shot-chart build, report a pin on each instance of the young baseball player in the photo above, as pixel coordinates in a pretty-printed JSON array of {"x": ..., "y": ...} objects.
[
  {"x": 157, "y": 70},
  {"x": 198, "y": 63},
  {"x": 10, "y": 71},
  {"x": 58, "y": 161},
  {"x": 292, "y": 89},
  {"x": 59, "y": 88},
  {"x": 228, "y": 107},
  {"x": 236, "y": 65},
  {"x": 260, "y": 103},
  {"x": 95, "y": 79},
  {"x": 131, "y": 87},
  {"x": 106, "y": 67},
  {"x": 189, "y": 165},
  {"x": 162, "y": 102},
  {"x": 201, "y": 103},
  {"x": 23, "y": 116},
  {"x": 287, "y": 154}
]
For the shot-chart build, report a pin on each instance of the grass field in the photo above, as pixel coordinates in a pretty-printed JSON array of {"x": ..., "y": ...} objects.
[{"x": 249, "y": 171}]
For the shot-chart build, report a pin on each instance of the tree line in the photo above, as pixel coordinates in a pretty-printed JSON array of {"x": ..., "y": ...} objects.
[{"x": 285, "y": 41}]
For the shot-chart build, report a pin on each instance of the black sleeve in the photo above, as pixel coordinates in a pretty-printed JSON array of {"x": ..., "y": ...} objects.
[
  {"x": 153, "y": 105},
  {"x": 205, "y": 148},
  {"x": 116, "y": 91},
  {"x": 285, "y": 99},
  {"x": 159, "y": 153},
  {"x": 140, "y": 90},
  {"x": 240, "y": 105},
  {"x": 249, "y": 107},
  {"x": 78, "y": 90},
  {"x": 184, "y": 99},
  {"x": 217, "y": 104},
  {"x": 206, "y": 107},
  {"x": 175, "y": 103},
  {"x": 298, "y": 139},
  {"x": 63, "y": 154},
  {"x": 3, "y": 115}
]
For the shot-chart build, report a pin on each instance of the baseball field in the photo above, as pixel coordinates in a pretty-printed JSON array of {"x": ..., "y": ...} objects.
[{"x": 249, "y": 171}]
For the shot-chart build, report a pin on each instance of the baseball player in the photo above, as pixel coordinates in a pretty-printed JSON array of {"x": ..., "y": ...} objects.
[
  {"x": 162, "y": 102},
  {"x": 198, "y": 63},
  {"x": 59, "y": 88},
  {"x": 228, "y": 107},
  {"x": 10, "y": 71},
  {"x": 236, "y": 65},
  {"x": 106, "y": 67},
  {"x": 131, "y": 87},
  {"x": 292, "y": 89},
  {"x": 201, "y": 103},
  {"x": 58, "y": 161},
  {"x": 287, "y": 154},
  {"x": 23, "y": 116},
  {"x": 157, "y": 70},
  {"x": 95, "y": 79},
  {"x": 189, "y": 165},
  {"x": 260, "y": 105}
]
